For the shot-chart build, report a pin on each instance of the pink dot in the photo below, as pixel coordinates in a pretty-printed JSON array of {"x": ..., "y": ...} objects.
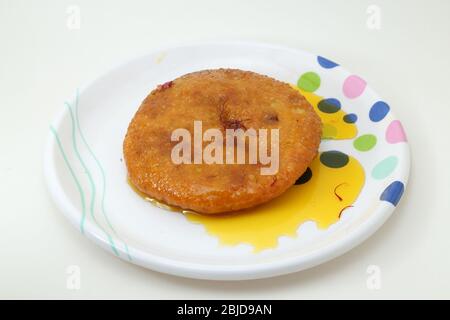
[
  {"x": 395, "y": 132},
  {"x": 353, "y": 86}
]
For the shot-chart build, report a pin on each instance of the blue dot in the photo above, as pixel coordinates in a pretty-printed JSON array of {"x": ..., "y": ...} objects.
[
  {"x": 378, "y": 111},
  {"x": 325, "y": 63},
  {"x": 350, "y": 118},
  {"x": 393, "y": 192}
]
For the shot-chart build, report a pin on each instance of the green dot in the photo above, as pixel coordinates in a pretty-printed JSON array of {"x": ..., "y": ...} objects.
[
  {"x": 334, "y": 159},
  {"x": 365, "y": 142},
  {"x": 329, "y": 131},
  {"x": 309, "y": 81},
  {"x": 385, "y": 168}
]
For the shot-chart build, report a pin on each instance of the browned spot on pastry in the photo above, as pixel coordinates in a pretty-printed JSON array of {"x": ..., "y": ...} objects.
[
  {"x": 165, "y": 85},
  {"x": 271, "y": 117}
]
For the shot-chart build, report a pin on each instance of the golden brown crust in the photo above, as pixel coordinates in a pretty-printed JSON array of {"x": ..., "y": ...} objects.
[{"x": 222, "y": 98}]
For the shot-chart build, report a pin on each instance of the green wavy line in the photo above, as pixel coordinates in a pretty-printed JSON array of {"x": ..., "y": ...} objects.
[
  {"x": 80, "y": 190},
  {"x": 103, "y": 178},
  {"x": 91, "y": 182}
]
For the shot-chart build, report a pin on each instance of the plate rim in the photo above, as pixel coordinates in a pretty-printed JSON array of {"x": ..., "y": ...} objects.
[{"x": 208, "y": 271}]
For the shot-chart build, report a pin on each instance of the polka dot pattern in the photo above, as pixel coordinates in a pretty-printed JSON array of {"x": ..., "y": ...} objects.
[
  {"x": 372, "y": 117},
  {"x": 353, "y": 86},
  {"x": 309, "y": 81}
]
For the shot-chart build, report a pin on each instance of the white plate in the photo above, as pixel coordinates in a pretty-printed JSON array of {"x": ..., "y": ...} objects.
[{"x": 86, "y": 175}]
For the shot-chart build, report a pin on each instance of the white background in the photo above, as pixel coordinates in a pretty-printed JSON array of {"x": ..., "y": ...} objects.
[{"x": 42, "y": 61}]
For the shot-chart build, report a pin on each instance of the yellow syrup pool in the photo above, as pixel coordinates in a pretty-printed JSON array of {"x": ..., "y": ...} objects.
[{"x": 322, "y": 199}]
